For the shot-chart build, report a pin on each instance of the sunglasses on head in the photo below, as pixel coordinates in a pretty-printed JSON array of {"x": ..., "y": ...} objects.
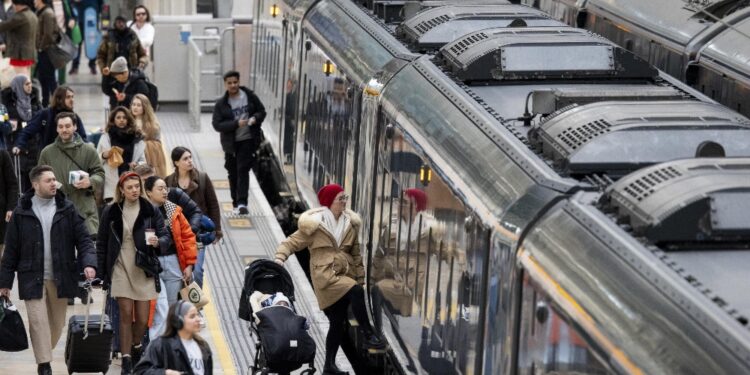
[{"x": 343, "y": 198}]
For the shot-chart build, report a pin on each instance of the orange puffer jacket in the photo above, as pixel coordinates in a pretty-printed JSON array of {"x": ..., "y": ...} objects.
[{"x": 182, "y": 235}]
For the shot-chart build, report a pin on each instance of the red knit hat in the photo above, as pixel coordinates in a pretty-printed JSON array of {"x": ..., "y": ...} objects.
[
  {"x": 420, "y": 198},
  {"x": 328, "y": 193}
]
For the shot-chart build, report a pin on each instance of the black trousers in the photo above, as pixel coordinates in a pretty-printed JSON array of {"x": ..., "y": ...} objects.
[
  {"x": 238, "y": 167},
  {"x": 337, "y": 316},
  {"x": 45, "y": 71}
]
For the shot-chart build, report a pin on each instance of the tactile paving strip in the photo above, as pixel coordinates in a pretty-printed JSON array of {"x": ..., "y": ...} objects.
[{"x": 227, "y": 284}]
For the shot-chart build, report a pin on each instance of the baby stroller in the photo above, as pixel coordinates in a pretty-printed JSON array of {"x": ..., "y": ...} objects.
[{"x": 283, "y": 343}]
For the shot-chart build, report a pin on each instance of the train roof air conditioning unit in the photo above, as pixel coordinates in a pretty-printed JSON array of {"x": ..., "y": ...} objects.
[
  {"x": 618, "y": 137},
  {"x": 525, "y": 54},
  {"x": 433, "y": 28},
  {"x": 687, "y": 203}
]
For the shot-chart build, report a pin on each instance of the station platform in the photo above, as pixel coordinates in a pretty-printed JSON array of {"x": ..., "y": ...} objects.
[{"x": 246, "y": 238}]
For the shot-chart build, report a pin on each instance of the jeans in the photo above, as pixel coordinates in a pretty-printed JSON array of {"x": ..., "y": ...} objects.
[
  {"x": 198, "y": 268},
  {"x": 171, "y": 281},
  {"x": 238, "y": 167},
  {"x": 45, "y": 71}
]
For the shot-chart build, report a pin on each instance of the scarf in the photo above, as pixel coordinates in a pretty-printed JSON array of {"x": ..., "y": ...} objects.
[
  {"x": 23, "y": 100},
  {"x": 336, "y": 227},
  {"x": 126, "y": 140}
]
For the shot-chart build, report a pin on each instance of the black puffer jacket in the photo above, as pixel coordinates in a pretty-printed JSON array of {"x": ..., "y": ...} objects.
[
  {"x": 223, "y": 119},
  {"x": 24, "y": 249},
  {"x": 108, "y": 240},
  {"x": 190, "y": 209},
  {"x": 169, "y": 353}
]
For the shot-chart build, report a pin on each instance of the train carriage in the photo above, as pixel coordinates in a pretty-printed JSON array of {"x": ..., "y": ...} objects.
[{"x": 492, "y": 270}]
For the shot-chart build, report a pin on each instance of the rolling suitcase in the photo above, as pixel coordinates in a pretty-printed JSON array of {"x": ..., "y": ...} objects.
[{"x": 89, "y": 344}]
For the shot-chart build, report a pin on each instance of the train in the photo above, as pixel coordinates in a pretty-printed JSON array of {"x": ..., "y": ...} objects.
[
  {"x": 534, "y": 197},
  {"x": 702, "y": 42}
]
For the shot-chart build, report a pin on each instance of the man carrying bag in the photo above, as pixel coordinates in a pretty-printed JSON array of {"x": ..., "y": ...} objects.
[
  {"x": 45, "y": 243},
  {"x": 12, "y": 331}
]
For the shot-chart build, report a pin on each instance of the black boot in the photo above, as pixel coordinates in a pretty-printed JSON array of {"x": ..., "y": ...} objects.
[
  {"x": 44, "y": 369},
  {"x": 330, "y": 368},
  {"x": 127, "y": 365},
  {"x": 136, "y": 351}
]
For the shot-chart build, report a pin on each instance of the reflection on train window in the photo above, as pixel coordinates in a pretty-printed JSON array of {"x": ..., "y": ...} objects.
[
  {"x": 425, "y": 272},
  {"x": 548, "y": 344},
  {"x": 330, "y": 121}
]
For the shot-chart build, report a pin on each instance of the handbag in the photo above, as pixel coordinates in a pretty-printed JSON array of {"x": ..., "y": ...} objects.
[
  {"x": 115, "y": 157},
  {"x": 193, "y": 294},
  {"x": 12, "y": 331},
  {"x": 62, "y": 52},
  {"x": 148, "y": 262}
]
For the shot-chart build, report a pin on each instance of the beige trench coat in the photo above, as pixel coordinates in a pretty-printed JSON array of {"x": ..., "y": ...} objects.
[{"x": 334, "y": 269}]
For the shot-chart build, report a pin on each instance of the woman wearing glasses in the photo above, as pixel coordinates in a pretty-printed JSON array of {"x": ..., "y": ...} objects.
[
  {"x": 331, "y": 232},
  {"x": 141, "y": 25}
]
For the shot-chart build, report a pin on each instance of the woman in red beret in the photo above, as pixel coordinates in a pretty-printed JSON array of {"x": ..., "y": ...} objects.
[{"x": 331, "y": 232}]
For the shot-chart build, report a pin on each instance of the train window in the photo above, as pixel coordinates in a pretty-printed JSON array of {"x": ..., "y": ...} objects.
[
  {"x": 427, "y": 269},
  {"x": 329, "y": 119},
  {"x": 548, "y": 343}
]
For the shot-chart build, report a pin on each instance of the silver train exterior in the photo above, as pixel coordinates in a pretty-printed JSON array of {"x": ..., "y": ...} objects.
[
  {"x": 567, "y": 227},
  {"x": 705, "y": 43}
]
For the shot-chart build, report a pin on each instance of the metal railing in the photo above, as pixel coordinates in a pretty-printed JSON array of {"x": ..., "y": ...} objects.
[{"x": 204, "y": 70}]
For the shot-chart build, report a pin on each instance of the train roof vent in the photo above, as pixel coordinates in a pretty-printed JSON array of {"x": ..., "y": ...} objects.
[
  {"x": 434, "y": 27},
  {"x": 687, "y": 202},
  {"x": 523, "y": 54},
  {"x": 548, "y": 101},
  {"x": 618, "y": 137}
]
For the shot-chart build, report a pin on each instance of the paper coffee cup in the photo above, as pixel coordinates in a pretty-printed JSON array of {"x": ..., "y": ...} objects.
[{"x": 150, "y": 233}]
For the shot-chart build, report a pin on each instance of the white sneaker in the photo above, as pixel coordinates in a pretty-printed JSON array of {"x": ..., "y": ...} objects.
[{"x": 236, "y": 211}]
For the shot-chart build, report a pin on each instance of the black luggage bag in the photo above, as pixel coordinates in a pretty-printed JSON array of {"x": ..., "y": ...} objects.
[{"x": 89, "y": 343}]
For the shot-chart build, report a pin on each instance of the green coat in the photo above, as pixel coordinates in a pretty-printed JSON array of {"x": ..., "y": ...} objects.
[
  {"x": 85, "y": 155},
  {"x": 20, "y": 37}
]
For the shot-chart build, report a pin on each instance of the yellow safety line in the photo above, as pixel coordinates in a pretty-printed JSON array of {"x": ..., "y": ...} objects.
[{"x": 221, "y": 349}]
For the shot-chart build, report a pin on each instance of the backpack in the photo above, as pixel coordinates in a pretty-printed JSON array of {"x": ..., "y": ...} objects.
[
  {"x": 207, "y": 233},
  {"x": 153, "y": 93}
]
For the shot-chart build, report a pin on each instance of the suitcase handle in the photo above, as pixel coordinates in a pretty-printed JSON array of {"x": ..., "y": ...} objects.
[{"x": 90, "y": 285}]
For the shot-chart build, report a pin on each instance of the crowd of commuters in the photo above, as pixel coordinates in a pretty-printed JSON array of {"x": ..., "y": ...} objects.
[
  {"x": 73, "y": 210},
  {"x": 109, "y": 205}
]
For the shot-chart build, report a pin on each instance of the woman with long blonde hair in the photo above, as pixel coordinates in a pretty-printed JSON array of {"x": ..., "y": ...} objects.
[{"x": 146, "y": 120}]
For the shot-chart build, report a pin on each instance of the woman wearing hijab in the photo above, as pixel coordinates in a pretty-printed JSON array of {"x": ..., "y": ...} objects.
[
  {"x": 22, "y": 102},
  {"x": 122, "y": 135},
  {"x": 331, "y": 232}
]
